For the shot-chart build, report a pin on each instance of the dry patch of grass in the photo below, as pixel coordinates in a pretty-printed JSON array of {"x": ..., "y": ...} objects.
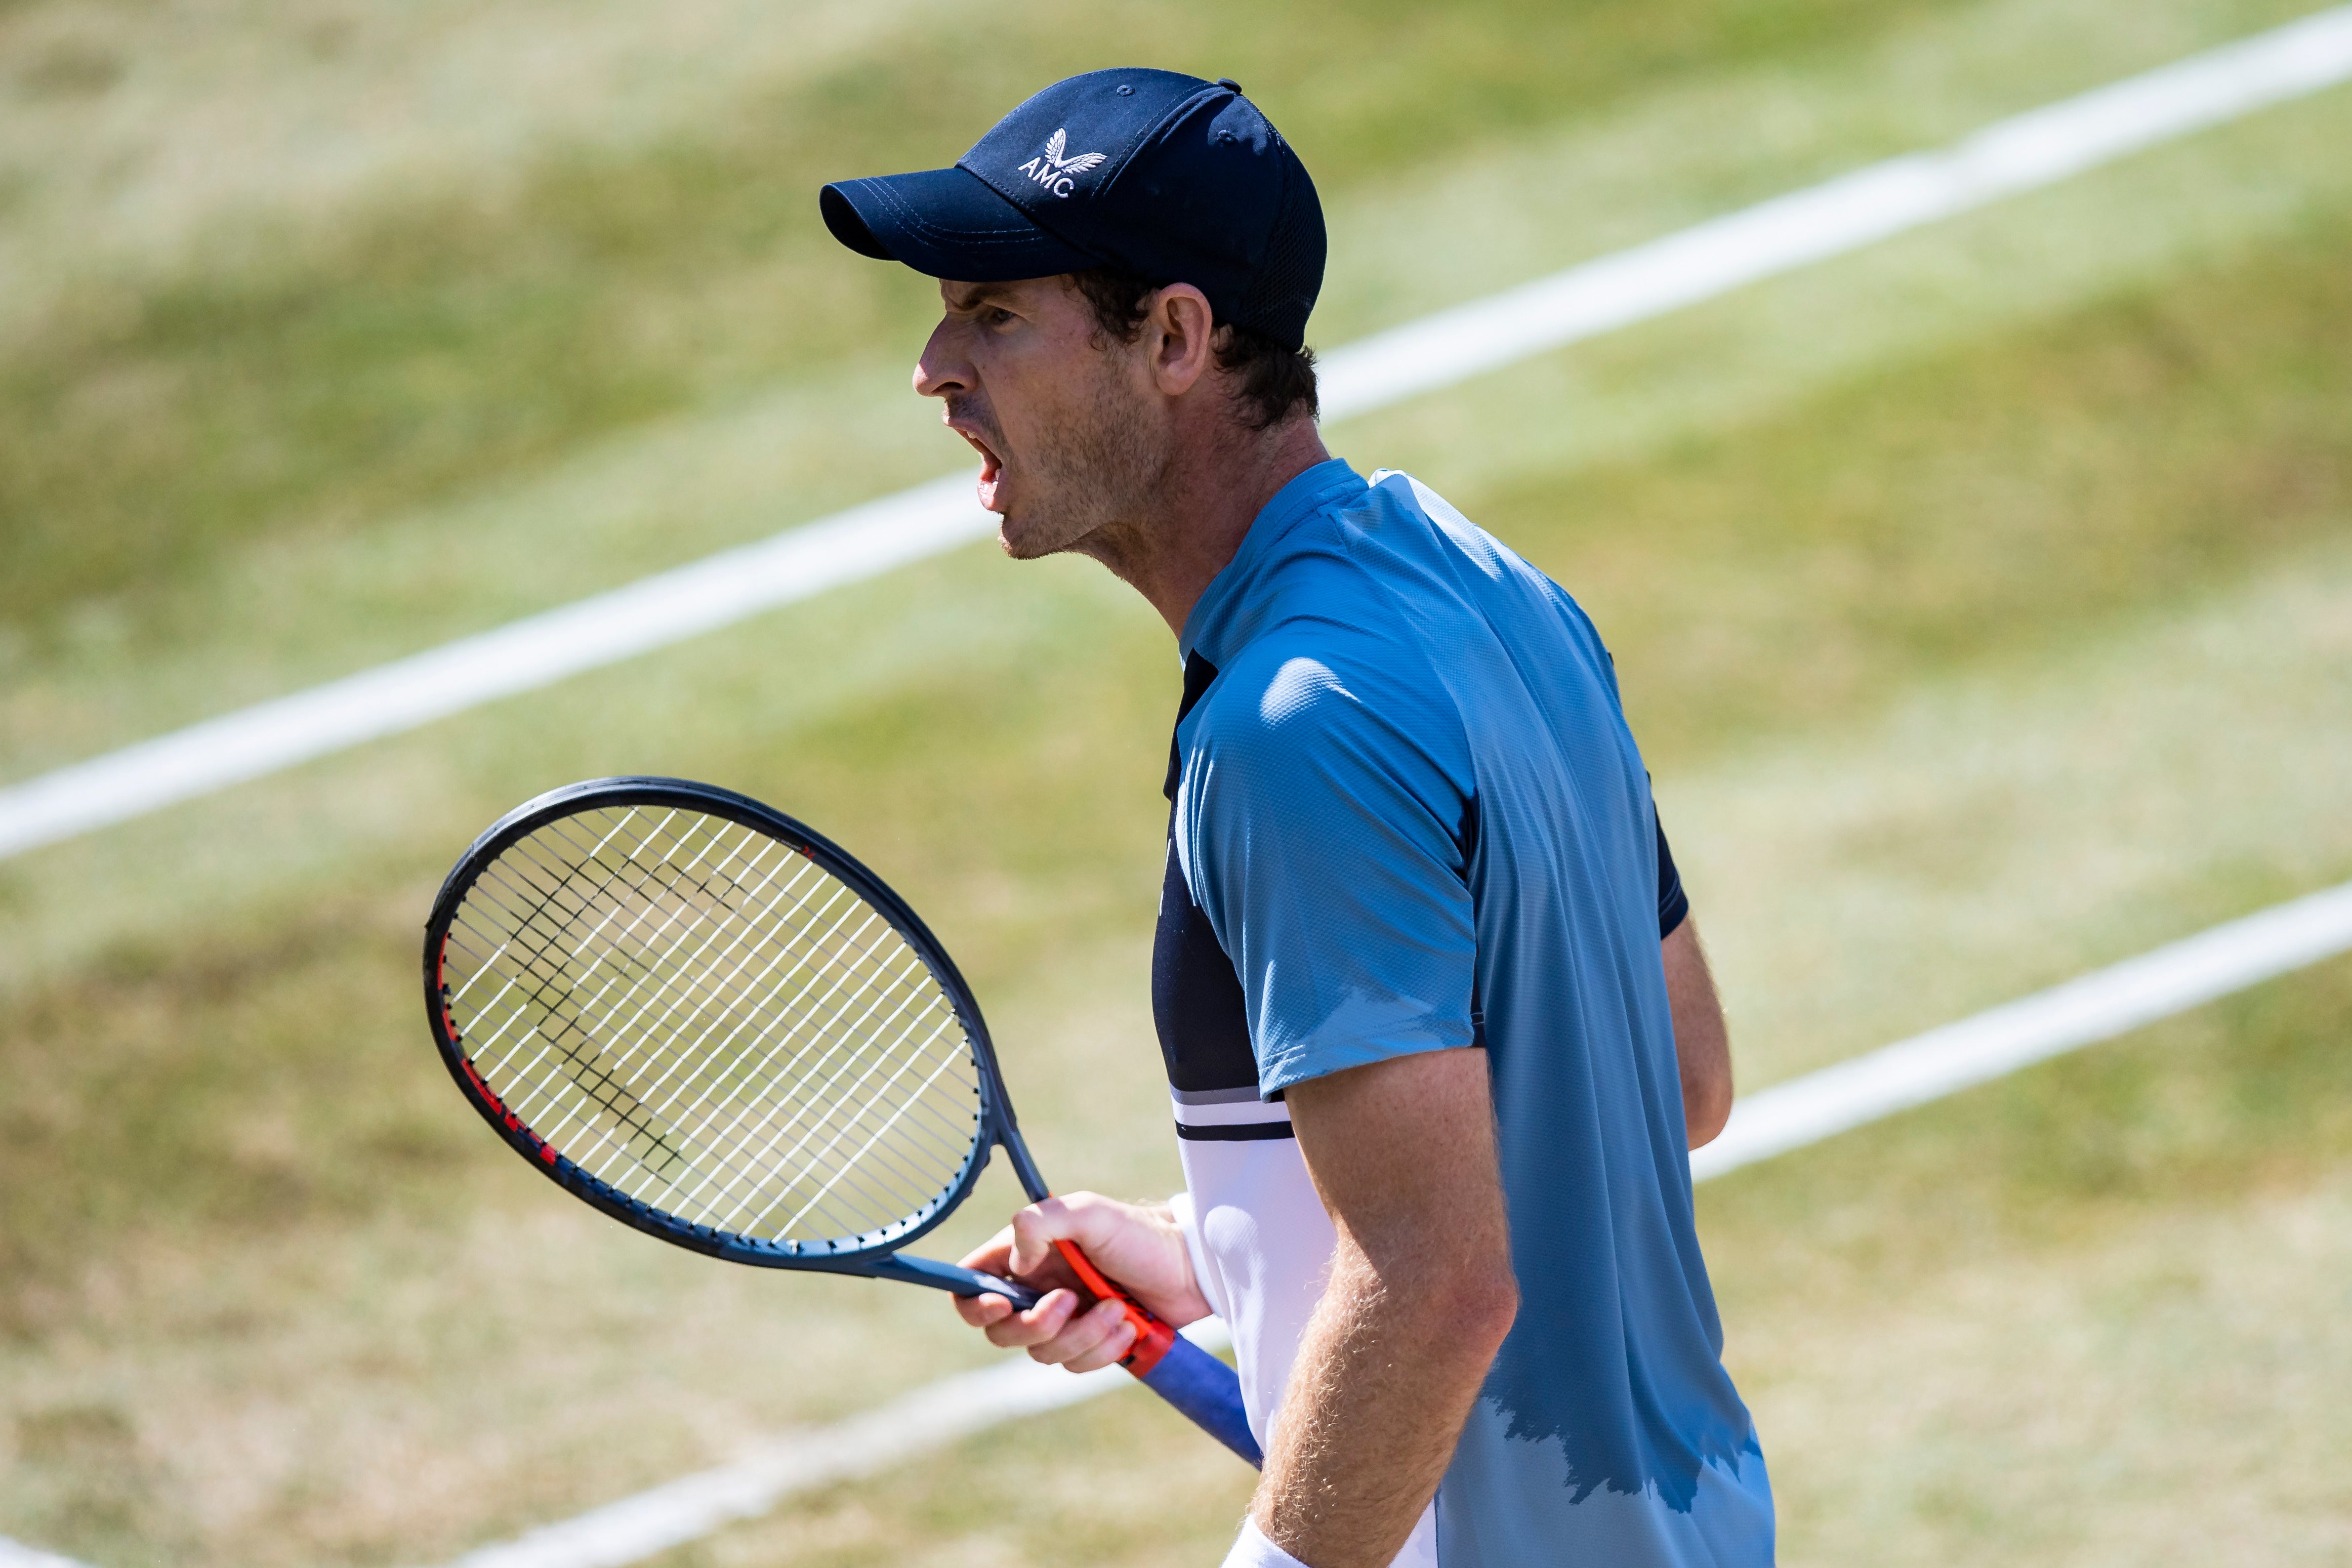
[
  {"x": 2093, "y": 1315},
  {"x": 2089, "y": 1315},
  {"x": 1994, "y": 835}
]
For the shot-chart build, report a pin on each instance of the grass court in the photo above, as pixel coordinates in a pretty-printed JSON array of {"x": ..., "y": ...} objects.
[{"x": 1983, "y": 603}]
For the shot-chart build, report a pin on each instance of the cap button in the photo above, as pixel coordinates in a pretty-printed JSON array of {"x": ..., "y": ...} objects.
[{"x": 1228, "y": 81}]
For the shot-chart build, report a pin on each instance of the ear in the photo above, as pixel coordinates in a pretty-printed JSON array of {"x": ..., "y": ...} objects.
[{"x": 1177, "y": 333}]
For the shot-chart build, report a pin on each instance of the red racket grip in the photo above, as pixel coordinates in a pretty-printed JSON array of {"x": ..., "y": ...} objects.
[{"x": 1152, "y": 1337}]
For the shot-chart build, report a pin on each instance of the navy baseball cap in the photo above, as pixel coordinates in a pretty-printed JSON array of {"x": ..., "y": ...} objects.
[{"x": 1181, "y": 180}]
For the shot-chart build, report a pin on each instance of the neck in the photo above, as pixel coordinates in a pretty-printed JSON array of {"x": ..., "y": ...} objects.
[{"x": 1201, "y": 510}]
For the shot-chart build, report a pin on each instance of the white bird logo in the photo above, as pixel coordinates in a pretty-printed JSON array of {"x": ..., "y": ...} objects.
[
  {"x": 1077, "y": 165},
  {"x": 1053, "y": 171}
]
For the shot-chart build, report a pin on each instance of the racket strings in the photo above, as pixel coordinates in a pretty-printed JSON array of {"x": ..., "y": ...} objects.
[
  {"x": 732, "y": 1168},
  {"x": 735, "y": 1215},
  {"x": 571, "y": 1006},
  {"x": 699, "y": 1016},
  {"x": 610, "y": 1007},
  {"x": 915, "y": 987}
]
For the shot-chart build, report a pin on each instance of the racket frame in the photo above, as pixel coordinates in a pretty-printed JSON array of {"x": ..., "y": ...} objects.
[
  {"x": 878, "y": 1259},
  {"x": 1194, "y": 1382}
]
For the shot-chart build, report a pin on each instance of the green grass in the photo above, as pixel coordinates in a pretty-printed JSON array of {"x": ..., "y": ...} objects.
[
  {"x": 305, "y": 372},
  {"x": 432, "y": 340},
  {"x": 1982, "y": 600},
  {"x": 1767, "y": 582},
  {"x": 277, "y": 613},
  {"x": 1991, "y": 501}
]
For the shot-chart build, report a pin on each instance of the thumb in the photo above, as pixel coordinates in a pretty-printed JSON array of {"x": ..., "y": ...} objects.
[{"x": 1038, "y": 1226}]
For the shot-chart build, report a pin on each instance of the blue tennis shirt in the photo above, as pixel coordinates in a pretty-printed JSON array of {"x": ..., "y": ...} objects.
[{"x": 1408, "y": 816}]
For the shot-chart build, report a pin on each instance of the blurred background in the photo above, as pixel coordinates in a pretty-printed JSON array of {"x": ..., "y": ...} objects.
[{"x": 1983, "y": 602}]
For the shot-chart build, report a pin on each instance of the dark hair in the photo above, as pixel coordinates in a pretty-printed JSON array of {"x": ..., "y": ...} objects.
[{"x": 1275, "y": 379}]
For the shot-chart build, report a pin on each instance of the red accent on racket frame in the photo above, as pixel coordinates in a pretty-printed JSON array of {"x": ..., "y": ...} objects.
[
  {"x": 1152, "y": 1337},
  {"x": 441, "y": 976},
  {"x": 508, "y": 1118},
  {"x": 490, "y": 1095}
]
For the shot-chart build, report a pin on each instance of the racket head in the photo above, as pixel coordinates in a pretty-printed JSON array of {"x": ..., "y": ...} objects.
[{"x": 654, "y": 989}]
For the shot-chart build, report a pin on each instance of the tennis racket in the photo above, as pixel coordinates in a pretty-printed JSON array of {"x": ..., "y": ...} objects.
[{"x": 714, "y": 1025}]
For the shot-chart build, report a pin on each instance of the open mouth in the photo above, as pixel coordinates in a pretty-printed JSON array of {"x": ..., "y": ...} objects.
[
  {"x": 991, "y": 470},
  {"x": 988, "y": 466}
]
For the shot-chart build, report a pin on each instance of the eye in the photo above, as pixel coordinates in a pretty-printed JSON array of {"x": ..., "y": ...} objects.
[{"x": 996, "y": 316}]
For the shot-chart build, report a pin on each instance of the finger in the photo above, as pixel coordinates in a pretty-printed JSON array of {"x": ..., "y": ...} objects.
[
  {"x": 1081, "y": 1336},
  {"x": 1034, "y": 1231},
  {"x": 1040, "y": 1323},
  {"x": 983, "y": 1310},
  {"x": 994, "y": 1257},
  {"x": 1097, "y": 1338},
  {"x": 1115, "y": 1344},
  {"x": 1087, "y": 1220}
]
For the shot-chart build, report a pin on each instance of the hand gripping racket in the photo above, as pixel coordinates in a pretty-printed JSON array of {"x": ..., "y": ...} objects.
[{"x": 711, "y": 1023}]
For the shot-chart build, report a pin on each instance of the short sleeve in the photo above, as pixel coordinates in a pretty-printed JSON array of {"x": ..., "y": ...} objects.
[
  {"x": 1321, "y": 820},
  {"x": 1674, "y": 904}
]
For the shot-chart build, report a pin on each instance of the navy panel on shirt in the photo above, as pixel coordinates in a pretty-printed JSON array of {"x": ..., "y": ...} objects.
[{"x": 1196, "y": 997}]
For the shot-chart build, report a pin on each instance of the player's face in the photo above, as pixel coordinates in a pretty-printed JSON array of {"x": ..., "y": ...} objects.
[{"x": 1070, "y": 435}]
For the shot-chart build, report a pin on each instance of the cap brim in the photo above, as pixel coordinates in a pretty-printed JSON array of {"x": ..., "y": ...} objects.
[{"x": 946, "y": 223}]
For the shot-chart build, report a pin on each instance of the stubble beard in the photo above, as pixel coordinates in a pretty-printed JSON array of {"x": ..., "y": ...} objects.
[{"x": 1092, "y": 476}]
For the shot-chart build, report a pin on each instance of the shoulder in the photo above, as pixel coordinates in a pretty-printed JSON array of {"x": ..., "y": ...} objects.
[
  {"x": 1315, "y": 685},
  {"x": 1315, "y": 746},
  {"x": 1329, "y": 635}
]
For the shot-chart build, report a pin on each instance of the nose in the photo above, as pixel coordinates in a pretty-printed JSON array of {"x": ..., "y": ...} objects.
[{"x": 943, "y": 369}]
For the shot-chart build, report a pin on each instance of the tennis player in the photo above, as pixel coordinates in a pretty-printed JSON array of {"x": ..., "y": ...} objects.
[{"x": 1423, "y": 962}]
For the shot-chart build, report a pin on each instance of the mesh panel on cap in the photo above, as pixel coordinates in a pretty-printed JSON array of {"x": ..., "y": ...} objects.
[{"x": 1282, "y": 295}]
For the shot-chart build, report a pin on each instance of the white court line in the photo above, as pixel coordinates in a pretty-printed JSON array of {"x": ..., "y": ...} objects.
[
  {"x": 689, "y": 1508},
  {"x": 2098, "y": 1006},
  {"x": 2021, "y": 154},
  {"x": 15, "y": 1554},
  {"x": 2025, "y": 153}
]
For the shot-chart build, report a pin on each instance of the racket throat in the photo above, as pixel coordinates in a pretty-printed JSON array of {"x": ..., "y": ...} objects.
[{"x": 948, "y": 1277}]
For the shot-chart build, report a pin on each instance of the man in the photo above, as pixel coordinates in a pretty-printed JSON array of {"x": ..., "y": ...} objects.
[{"x": 1418, "y": 1020}]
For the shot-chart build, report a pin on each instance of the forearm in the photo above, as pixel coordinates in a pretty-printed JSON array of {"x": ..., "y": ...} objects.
[
  {"x": 1419, "y": 1297},
  {"x": 1702, "y": 1044},
  {"x": 1384, "y": 1381}
]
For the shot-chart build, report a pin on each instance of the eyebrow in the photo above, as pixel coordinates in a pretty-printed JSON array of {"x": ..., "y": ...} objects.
[{"x": 978, "y": 295}]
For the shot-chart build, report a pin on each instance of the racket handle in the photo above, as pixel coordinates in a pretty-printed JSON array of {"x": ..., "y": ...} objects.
[
  {"x": 1206, "y": 1390},
  {"x": 1197, "y": 1383}
]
